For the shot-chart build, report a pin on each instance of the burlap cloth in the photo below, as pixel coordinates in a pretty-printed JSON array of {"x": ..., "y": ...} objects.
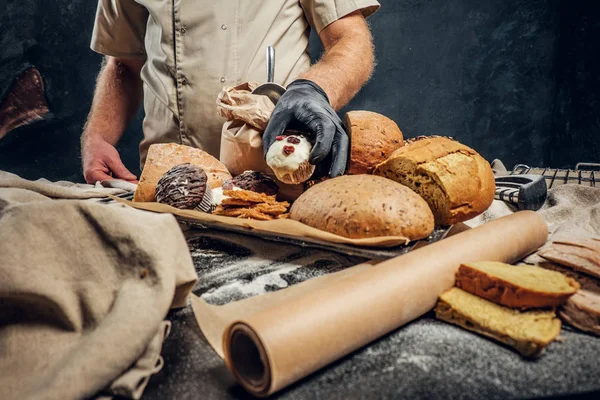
[
  {"x": 85, "y": 287},
  {"x": 84, "y": 291},
  {"x": 570, "y": 211}
]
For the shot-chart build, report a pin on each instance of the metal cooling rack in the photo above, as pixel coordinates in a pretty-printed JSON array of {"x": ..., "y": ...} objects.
[{"x": 587, "y": 174}]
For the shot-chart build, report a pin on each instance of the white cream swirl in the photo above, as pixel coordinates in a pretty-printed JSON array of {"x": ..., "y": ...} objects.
[{"x": 285, "y": 163}]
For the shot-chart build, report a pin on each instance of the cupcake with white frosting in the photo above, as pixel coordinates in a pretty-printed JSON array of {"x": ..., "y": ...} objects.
[{"x": 288, "y": 158}]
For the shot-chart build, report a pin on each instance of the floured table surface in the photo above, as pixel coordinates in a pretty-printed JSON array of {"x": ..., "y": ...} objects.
[{"x": 423, "y": 360}]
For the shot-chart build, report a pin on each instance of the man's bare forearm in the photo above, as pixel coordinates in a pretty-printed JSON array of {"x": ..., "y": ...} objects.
[
  {"x": 116, "y": 100},
  {"x": 348, "y": 61}
]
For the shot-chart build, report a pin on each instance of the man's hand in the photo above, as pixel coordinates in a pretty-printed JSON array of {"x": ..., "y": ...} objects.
[
  {"x": 305, "y": 104},
  {"x": 117, "y": 98},
  {"x": 101, "y": 161},
  {"x": 348, "y": 60},
  {"x": 327, "y": 86}
]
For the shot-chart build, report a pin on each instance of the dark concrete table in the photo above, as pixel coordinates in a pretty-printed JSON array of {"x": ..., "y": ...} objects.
[{"x": 423, "y": 360}]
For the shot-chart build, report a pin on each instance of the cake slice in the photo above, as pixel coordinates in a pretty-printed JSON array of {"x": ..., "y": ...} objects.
[
  {"x": 529, "y": 332},
  {"x": 524, "y": 286}
]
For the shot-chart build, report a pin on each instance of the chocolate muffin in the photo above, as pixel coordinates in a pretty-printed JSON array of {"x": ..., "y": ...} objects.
[
  {"x": 253, "y": 181},
  {"x": 185, "y": 186}
]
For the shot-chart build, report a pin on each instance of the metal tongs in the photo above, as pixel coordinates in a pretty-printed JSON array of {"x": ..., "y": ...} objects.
[{"x": 526, "y": 192}]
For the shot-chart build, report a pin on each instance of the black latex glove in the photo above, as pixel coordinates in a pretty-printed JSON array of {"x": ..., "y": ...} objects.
[{"x": 305, "y": 107}]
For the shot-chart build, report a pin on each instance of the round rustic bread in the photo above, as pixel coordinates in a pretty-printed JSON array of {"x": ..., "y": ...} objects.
[
  {"x": 373, "y": 137},
  {"x": 164, "y": 156},
  {"x": 457, "y": 183},
  {"x": 364, "y": 206}
]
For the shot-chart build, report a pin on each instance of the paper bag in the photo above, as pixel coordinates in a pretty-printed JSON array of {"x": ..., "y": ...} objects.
[{"x": 241, "y": 136}]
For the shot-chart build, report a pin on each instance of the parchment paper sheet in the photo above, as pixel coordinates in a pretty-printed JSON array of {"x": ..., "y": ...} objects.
[
  {"x": 273, "y": 340},
  {"x": 280, "y": 226}
]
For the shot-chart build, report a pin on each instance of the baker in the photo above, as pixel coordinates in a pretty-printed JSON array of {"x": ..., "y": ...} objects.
[{"x": 177, "y": 56}]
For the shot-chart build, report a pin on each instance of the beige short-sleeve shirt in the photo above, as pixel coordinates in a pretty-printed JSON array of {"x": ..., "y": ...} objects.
[{"x": 193, "y": 48}]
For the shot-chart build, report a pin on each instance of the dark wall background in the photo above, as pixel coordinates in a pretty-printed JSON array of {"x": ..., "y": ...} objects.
[{"x": 516, "y": 80}]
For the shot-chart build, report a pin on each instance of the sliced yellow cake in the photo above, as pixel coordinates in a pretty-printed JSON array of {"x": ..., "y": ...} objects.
[
  {"x": 523, "y": 286},
  {"x": 529, "y": 332}
]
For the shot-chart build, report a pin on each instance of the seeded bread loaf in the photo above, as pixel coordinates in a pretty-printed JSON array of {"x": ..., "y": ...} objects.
[
  {"x": 529, "y": 332},
  {"x": 164, "y": 156},
  {"x": 373, "y": 138},
  {"x": 362, "y": 206},
  {"x": 457, "y": 183},
  {"x": 524, "y": 286}
]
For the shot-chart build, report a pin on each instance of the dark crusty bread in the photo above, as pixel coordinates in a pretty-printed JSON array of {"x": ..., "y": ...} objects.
[
  {"x": 580, "y": 254},
  {"x": 582, "y": 311},
  {"x": 523, "y": 286},
  {"x": 587, "y": 282},
  {"x": 373, "y": 138},
  {"x": 363, "y": 206},
  {"x": 529, "y": 332},
  {"x": 457, "y": 183}
]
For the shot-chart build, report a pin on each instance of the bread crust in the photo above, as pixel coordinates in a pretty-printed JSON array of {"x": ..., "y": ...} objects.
[
  {"x": 506, "y": 293},
  {"x": 462, "y": 178},
  {"x": 163, "y": 156},
  {"x": 373, "y": 138},
  {"x": 363, "y": 206}
]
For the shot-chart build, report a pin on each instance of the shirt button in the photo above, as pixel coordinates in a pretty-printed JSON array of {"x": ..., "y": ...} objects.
[
  {"x": 222, "y": 79},
  {"x": 184, "y": 80},
  {"x": 224, "y": 27},
  {"x": 182, "y": 30}
]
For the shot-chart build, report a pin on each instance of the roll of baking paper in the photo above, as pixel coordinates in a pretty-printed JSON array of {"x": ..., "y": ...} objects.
[{"x": 279, "y": 340}]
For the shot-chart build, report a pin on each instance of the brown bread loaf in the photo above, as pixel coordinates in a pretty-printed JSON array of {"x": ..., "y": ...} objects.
[
  {"x": 587, "y": 282},
  {"x": 529, "y": 332},
  {"x": 457, "y": 183},
  {"x": 523, "y": 286},
  {"x": 164, "y": 156},
  {"x": 373, "y": 138},
  {"x": 582, "y": 311},
  {"x": 579, "y": 254},
  {"x": 362, "y": 206}
]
